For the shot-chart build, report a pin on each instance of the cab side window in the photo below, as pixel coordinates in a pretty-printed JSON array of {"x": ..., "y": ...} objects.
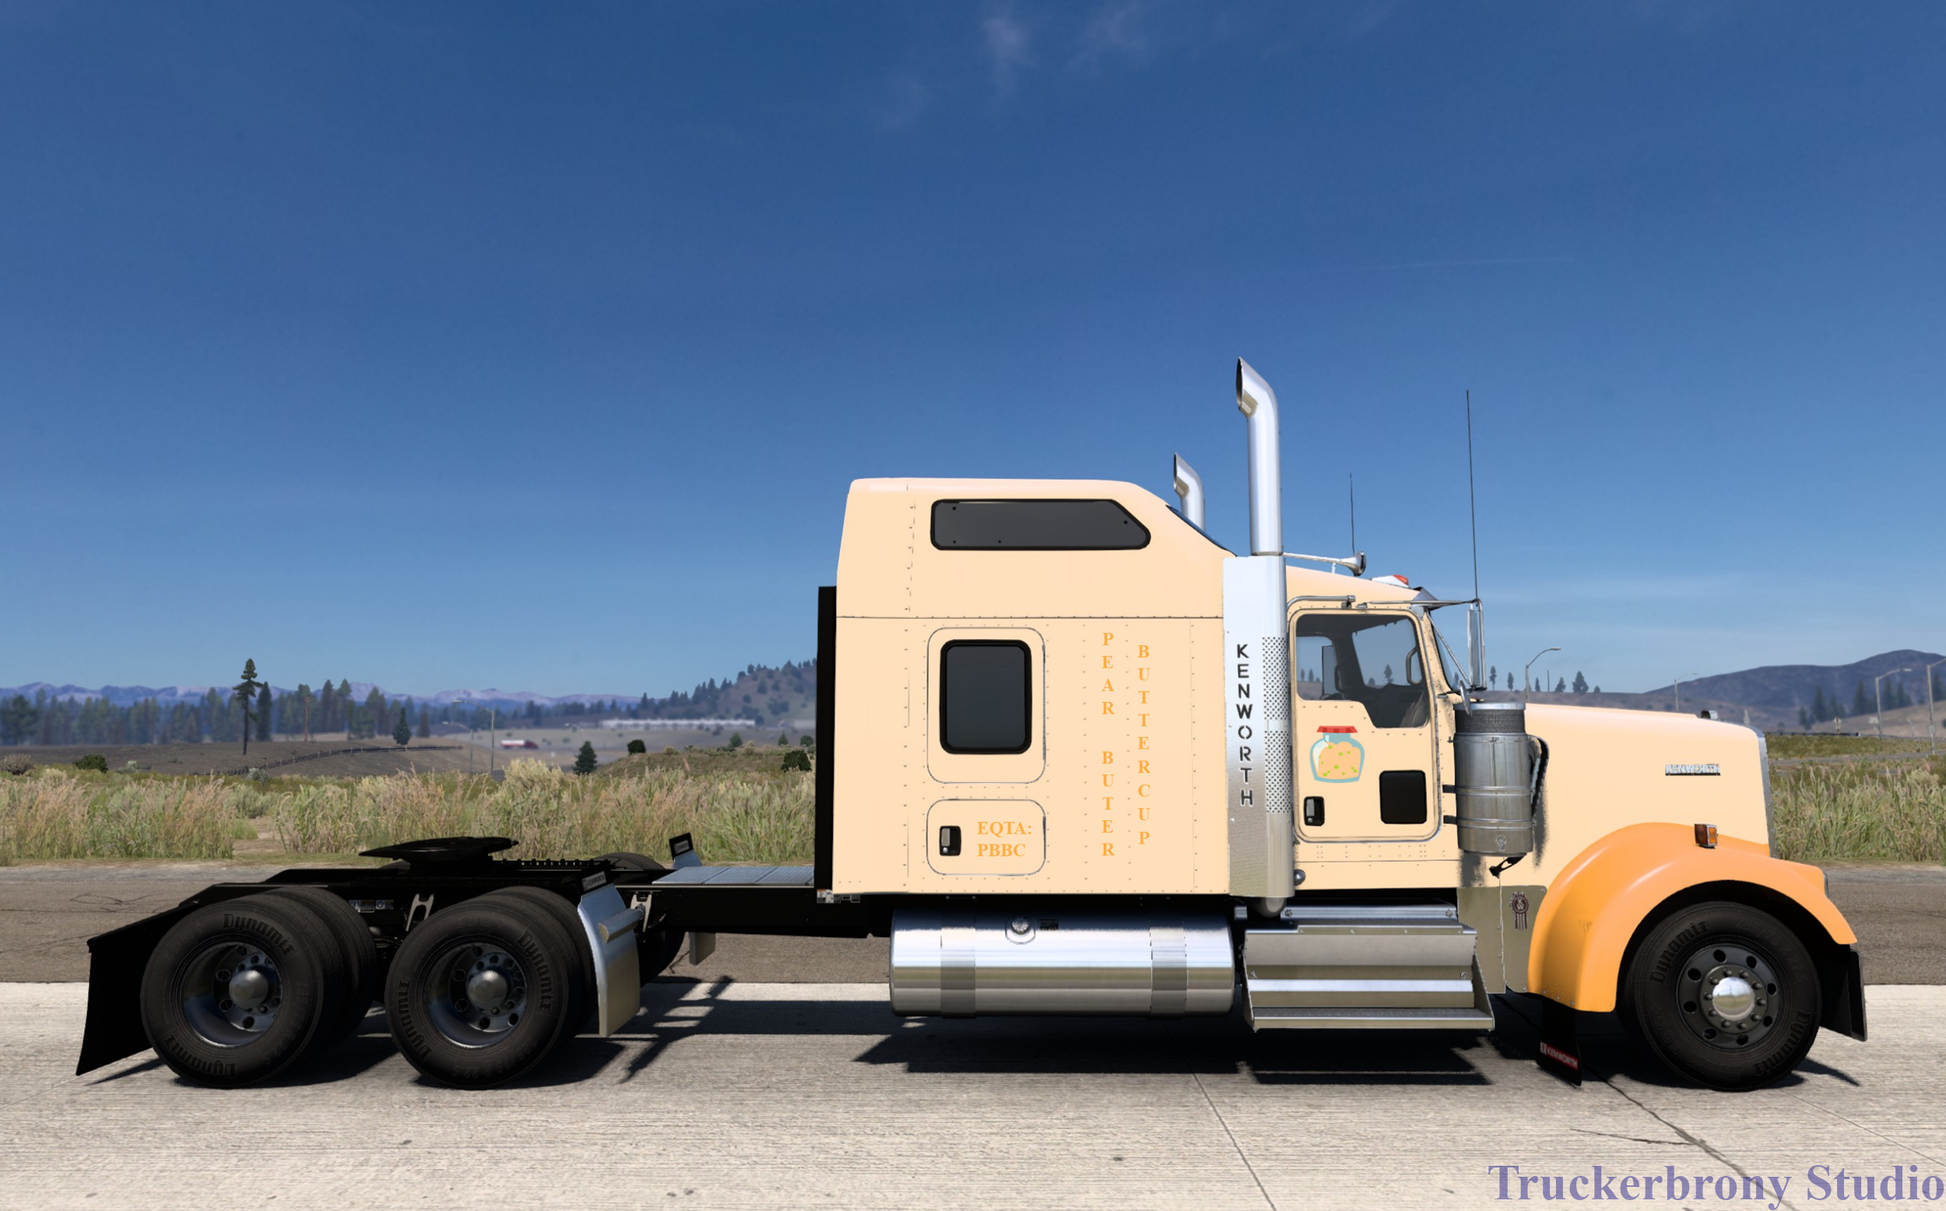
[
  {"x": 985, "y": 697},
  {"x": 1370, "y": 660}
]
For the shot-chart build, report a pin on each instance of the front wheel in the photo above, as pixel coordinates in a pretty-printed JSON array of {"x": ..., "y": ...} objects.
[{"x": 1724, "y": 994}]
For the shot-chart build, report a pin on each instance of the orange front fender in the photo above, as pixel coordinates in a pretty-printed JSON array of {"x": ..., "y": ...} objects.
[{"x": 1594, "y": 906}]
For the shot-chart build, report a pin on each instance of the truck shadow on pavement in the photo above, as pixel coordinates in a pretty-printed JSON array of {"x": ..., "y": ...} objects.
[
  {"x": 1080, "y": 1045},
  {"x": 1043, "y": 1046}
]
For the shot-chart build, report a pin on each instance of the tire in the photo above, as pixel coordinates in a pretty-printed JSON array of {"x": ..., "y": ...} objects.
[
  {"x": 574, "y": 943},
  {"x": 1734, "y": 956},
  {"x": 642, "y": 863},
  {"x": 357, "y": 966},
  {"x": 199, "y": 981},
  {"x": 655, "y": 949},
  {"x": 446, "y": 960}
]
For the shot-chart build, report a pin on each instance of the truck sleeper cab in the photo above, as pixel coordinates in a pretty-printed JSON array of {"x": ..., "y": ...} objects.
[{"x": 1077, "y": 758}]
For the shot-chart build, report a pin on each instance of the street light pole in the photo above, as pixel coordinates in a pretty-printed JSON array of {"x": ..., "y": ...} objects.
[
  {"x": 1878, "y": 697},
  {"x": 1527, "y": 682},
  {"x": 1932, "y": 737},
  {"x": 1678, "y": 685},
  {"x": 492, "y": 716}
]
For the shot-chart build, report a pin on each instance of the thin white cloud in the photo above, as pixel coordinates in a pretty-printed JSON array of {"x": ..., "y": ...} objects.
[
  {"x": 1009, "y": 46},
  {"x": 1116, "y": 32}
]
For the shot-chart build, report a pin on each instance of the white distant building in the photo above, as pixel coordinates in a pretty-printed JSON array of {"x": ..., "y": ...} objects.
[{"x": 649, "y": 725}]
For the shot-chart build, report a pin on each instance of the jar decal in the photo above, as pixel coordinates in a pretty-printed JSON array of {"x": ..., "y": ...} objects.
[{"x": 1337, "y": 757}]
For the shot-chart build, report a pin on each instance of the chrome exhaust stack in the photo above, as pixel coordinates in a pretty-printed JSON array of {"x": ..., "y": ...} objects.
[
  {"x": 1189, "y": 490},
  {"x": 1258, "y": 403},
  {"x": 1257, "y": 710}
]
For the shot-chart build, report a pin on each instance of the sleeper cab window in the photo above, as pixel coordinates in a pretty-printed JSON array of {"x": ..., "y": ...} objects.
[
  {"x": 985, "y": 696},
  {"x": 1035, "y": 525}
]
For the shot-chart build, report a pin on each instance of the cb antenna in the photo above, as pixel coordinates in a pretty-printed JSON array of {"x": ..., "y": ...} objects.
[
  {"x": 1476, "y": 620},
  {"x": 1472, "y": 510},
  {"x": 1351, "y": 492}
]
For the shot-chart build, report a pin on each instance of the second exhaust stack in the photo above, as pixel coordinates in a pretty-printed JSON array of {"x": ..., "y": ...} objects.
[{"x": 1189, "y": 490}]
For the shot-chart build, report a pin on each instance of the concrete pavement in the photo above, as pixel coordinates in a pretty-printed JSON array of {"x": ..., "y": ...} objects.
[{"x": 732, "y": 1094}]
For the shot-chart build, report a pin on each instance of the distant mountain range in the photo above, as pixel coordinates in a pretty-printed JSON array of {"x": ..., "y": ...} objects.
[
  {"x": 1789, "y": 686},
  {"x": 169, "y": 695}
]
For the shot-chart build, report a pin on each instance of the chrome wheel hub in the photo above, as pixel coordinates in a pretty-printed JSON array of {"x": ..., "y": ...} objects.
[
  {"x": 1728, "y": 995},
  {"x": 1733, "y": 998}
]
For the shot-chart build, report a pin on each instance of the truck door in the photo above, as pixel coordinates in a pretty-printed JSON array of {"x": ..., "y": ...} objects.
[{"x": 1361, "y": 727}]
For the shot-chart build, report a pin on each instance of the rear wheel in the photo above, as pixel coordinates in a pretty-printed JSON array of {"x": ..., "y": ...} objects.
[
  {"x": 641, "y": 863},
  {"x": 236, "y": 992},
  {"x": 356, "y": 966},
  {"x": 1724, "y": 994},
  {"x": 572, "y": 941},
  {"x": 480, "y": 993}
]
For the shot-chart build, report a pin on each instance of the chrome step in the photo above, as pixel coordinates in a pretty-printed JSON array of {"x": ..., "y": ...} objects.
[{"x": 1361, "y": 966}]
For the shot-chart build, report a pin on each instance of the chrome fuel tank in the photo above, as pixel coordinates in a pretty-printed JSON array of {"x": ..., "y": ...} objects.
[{"x": 963, "y": 962}]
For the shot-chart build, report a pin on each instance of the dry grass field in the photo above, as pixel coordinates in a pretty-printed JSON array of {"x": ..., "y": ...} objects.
[
  {"x": 740, "y": 807},
  {"x": 1835, "y": 799}
]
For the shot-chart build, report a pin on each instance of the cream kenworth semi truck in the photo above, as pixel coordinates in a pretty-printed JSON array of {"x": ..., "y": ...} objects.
[{"x": 1074, "y": 757}]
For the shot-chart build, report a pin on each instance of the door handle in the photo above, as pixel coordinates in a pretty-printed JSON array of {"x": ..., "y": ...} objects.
[{"x": 1314, "y": 811}]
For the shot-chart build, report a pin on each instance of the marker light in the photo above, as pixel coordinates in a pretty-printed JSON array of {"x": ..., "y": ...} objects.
[{"x": 1706, "y": 835}]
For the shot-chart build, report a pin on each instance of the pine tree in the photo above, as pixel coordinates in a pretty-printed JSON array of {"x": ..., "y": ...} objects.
[
  {"x": 584, "y": 761},
  {"x": 1820, "y": 709},
  {"x": 402, "y": 730},
  {"x": 1580, "y": 683},
  {"x": 1860, "y": 704},
  {"x": 244, "y": 693},
  {"x": 376, "y": 718},
  {"x": 263, "y": 713},
  {"x": 18, "y": 719},
  {"x": 425, "y": 723}
]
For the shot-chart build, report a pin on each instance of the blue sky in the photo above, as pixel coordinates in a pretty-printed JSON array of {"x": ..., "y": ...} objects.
[{"x": 535, "y": 346}]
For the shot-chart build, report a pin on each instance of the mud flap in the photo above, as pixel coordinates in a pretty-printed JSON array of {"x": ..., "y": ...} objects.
[
  {"x": 1844, "y": 995},
  {"x": 1560, "y": 1047},
  {"x": 116, "y": 962}
]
